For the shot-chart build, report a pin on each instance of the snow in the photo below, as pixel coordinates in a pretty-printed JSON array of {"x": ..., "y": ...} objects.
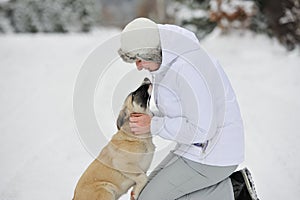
[
  {"x": 183, "y": 12},
  {"x": 41, "y": 152}
]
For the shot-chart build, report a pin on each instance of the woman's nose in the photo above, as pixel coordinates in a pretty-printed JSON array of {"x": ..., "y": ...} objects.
[{"x": 138, "y": 64}]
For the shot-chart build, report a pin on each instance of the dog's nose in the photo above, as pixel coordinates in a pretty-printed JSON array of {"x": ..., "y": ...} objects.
[{"x": 146, "y": 81}]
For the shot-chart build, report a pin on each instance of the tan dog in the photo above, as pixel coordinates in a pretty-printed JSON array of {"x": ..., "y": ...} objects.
[{"x": 123, "y": 162}]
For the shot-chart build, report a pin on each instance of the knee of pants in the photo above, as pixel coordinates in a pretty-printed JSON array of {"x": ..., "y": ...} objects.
[
  {"x": 150, "y": 193},
  {"x": 147, "y": 195}
]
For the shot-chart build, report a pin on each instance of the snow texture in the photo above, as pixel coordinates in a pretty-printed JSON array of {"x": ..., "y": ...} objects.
[{"x": 43, "y": 157}]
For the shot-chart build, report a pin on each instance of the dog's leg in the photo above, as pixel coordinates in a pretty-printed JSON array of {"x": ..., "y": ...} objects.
[
  {"x": 100, "y": 191},
  {"x": 140, "y": 182},
  {"x": 105, "y": 191},
  {"x": 104, "y": 194}
]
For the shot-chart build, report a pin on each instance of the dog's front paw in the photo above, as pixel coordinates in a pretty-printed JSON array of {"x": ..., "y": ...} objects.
[{"x": 132, "y": 196}]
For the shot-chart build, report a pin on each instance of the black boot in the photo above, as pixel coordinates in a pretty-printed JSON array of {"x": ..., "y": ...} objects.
[{"x": 243, "y": 185}]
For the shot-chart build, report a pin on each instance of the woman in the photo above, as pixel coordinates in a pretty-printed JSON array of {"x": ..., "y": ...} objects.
[{"x": 197, "y": 109}]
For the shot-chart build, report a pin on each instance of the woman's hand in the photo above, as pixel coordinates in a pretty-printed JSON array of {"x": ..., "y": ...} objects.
[{"x": 140, "y": 123}]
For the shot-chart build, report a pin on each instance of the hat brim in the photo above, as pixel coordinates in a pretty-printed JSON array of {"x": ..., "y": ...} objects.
[{"x": 149, "y": 54}]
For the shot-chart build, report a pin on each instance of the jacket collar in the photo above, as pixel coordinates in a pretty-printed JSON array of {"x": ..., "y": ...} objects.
[{"x": 175, "y": 41}]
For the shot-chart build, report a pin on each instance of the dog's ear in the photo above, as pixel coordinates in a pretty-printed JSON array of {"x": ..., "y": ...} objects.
[
  {"x": 124, "y": 113},
  {"x": 121, "y": 118}
]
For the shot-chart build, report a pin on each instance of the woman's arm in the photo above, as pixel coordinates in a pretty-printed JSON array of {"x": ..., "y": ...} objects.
[{"x": 192, "y": 125}]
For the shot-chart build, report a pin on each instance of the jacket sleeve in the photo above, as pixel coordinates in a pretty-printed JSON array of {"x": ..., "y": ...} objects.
[{"x": 192, "y": 125}]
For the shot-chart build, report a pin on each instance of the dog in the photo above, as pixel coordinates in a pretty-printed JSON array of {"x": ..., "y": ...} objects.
[{"x": 124, "y": 161}]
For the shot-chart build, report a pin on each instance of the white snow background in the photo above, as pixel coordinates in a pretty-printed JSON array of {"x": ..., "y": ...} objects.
[{"x": 42, "y": 156}]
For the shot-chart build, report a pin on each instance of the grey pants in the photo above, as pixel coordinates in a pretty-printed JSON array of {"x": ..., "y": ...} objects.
[{"x": 179, "y": 178}]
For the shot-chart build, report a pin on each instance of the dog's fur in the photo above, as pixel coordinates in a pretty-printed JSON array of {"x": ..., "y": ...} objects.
[{"x": 123, "y": 162}]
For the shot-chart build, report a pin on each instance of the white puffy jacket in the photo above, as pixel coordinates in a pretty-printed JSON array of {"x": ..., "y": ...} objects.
[{"x": 196, "y": 102}]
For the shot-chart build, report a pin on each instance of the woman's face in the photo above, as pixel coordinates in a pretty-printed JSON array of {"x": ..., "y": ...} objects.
[{"x": 148, "y": 65}]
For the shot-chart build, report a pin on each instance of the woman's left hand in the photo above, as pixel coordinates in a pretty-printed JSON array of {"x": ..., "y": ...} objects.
[{"x": 140, "y": 123}]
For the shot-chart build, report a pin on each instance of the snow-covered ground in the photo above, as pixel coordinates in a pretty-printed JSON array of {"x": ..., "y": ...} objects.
[{"x": 42, "y": 156}]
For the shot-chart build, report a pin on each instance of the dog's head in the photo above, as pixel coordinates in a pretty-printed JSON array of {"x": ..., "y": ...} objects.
[{"x": 136, "y": 102}]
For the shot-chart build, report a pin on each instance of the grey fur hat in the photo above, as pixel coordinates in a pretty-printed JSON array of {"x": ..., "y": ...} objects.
[{"x": 140, "y": 40}]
